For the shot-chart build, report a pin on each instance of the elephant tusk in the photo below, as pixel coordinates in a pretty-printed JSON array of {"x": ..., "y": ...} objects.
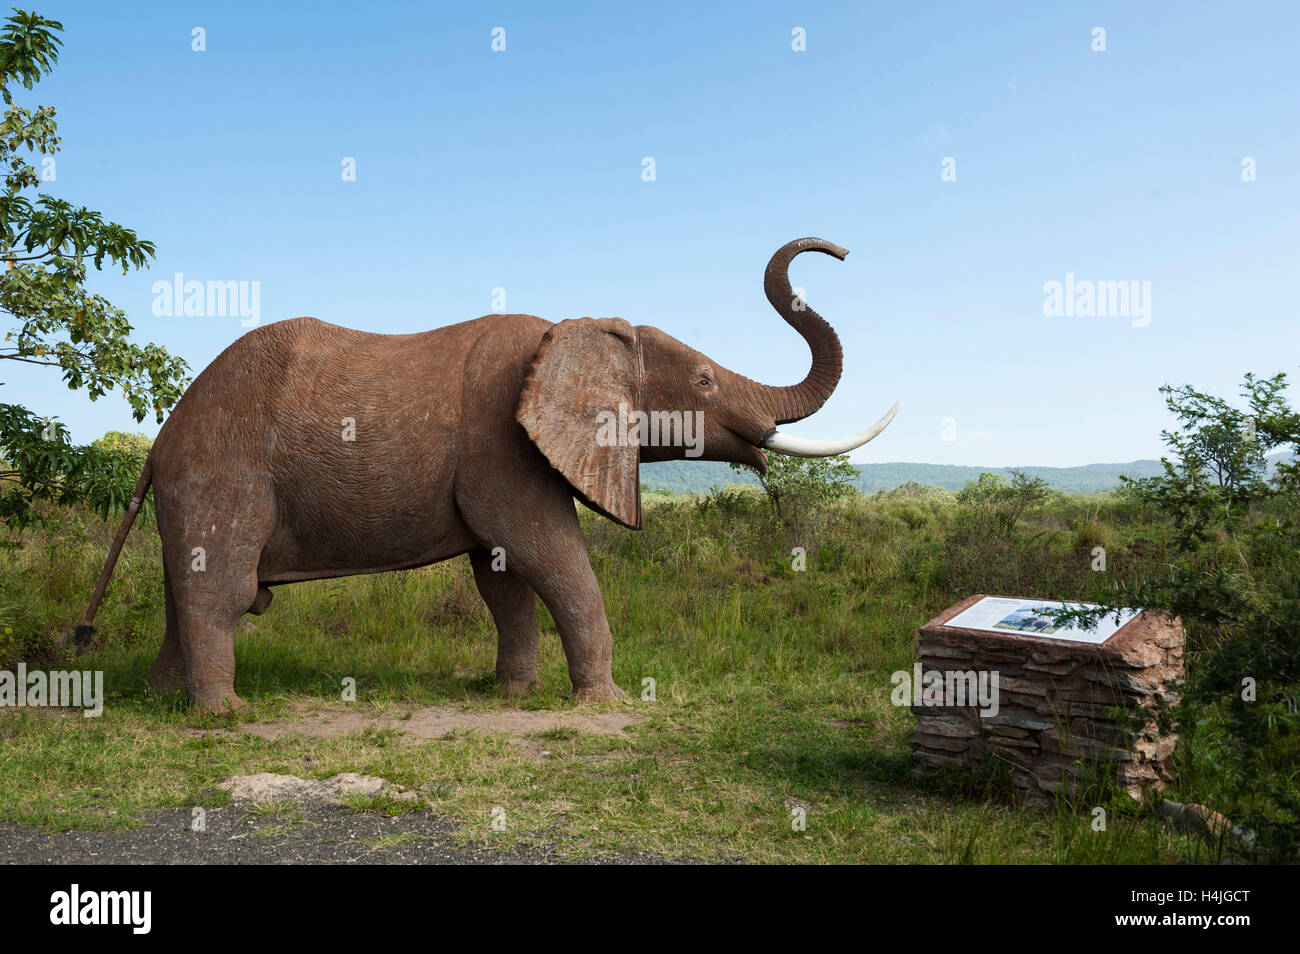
[{"x": 802, "y": 447}]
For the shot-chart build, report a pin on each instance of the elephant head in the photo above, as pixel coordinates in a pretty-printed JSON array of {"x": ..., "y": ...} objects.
[{"x": 601, "y": 396}]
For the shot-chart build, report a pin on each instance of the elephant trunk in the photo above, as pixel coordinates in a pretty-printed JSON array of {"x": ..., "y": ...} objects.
[
  {"x": 801, "y": 400},
  {"x": 797, "y": 401}
]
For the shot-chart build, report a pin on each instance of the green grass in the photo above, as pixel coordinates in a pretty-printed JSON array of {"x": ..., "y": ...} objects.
[
  {"x": 392, "y": 841},
  {"x": 273, "y": 808},
  {"x": 771, "y": 690}
]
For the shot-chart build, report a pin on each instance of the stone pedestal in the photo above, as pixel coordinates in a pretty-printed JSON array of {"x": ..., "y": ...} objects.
[{"x": 1064, "y": 707}]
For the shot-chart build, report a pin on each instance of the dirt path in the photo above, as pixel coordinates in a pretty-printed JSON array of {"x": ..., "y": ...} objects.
[{"x": 434, "y": 722}]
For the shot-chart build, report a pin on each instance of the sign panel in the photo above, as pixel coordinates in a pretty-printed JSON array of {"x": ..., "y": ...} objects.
[{"x": 1000, "y": 614}]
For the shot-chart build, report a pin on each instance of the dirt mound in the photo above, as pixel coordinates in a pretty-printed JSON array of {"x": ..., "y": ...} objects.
[{"x": 270, "y": 787}]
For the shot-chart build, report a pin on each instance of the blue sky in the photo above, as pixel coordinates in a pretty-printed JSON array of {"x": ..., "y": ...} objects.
[{"x": 522, "y": 170}]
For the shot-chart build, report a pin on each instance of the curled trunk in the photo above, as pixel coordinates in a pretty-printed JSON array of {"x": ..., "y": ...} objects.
[{"x": 797, "y": 401}]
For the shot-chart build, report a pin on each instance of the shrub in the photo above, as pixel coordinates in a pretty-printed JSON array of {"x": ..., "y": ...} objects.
[
  {"x": 1232, "y": 575},
  {"x": 797, "y": 486}
]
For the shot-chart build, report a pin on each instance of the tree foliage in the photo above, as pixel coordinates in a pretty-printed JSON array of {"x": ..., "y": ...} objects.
[
  {"x": 996, "y": 505},
  {"x": 46, "y": 245},
  {"x": 134, "y": 445},
  {"x": 1233, "y": 577},
  {"x": 804, "y": 482}
]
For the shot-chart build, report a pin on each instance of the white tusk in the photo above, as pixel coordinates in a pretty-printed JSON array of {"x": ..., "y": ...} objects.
[{"x": 802, "y": 447}]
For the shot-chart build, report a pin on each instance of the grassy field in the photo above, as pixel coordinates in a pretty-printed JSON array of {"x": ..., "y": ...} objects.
[{"x": 771, "y": 687}]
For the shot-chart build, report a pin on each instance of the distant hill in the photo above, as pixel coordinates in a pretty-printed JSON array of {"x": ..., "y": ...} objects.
[{"x": 688, "y": 477}]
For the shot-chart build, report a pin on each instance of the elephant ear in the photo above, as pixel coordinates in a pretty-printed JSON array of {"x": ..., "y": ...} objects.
[{"x": 586, "y": 373}]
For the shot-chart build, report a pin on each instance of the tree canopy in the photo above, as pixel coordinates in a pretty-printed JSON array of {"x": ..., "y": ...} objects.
[{"x": 46, "y": 244}]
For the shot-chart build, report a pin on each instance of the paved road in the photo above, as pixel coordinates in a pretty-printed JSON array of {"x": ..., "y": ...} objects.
[{"x": 320, "y": 834}]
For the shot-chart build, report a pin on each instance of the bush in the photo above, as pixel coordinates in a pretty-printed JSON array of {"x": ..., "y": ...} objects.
[
  {"x": 1232, "y": 574},
  {"x": 797, "y": 486}
]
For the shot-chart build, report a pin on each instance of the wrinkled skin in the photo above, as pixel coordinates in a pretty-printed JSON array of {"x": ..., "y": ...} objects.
[{"x": 467, "y": 438}]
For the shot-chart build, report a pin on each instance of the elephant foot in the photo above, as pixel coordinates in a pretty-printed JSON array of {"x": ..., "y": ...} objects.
[
  {"x": 603, "y": 692},
  {"x": 218, "y": 699},
  {"x": 166, "y": 675},
  {"x": 517, "y": 684}
]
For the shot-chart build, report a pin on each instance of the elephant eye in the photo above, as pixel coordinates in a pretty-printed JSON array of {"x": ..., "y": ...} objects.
[{"x": 703, "y": 382}]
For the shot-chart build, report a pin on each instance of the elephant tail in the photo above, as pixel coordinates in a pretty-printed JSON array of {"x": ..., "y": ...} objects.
[{"x": 84, "y": 630}]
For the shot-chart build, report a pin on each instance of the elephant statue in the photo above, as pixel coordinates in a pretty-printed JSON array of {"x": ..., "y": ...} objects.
[{"x": 307, "y": 451}]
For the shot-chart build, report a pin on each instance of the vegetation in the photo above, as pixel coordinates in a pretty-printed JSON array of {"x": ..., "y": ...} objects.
[
  {"x": 46, "y": 244},
  {"x": 771, "y": 683},
  {"x": 796, "y": 486},
  {"x": 1231, "y": 571}
]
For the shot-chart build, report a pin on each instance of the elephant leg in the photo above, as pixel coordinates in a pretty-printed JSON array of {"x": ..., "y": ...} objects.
[
  {"x": 209, "y": 604},
  {"x": 168, "y": 671},
  {"x": 557, "y": 567},
  {"x": 579, "y": 612},
  {"x": 518, "y": 502},
  {"x": 211, "y": 555},
  {"x": 513, "y": 606},
  {"x": 208, "y": 642}
]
